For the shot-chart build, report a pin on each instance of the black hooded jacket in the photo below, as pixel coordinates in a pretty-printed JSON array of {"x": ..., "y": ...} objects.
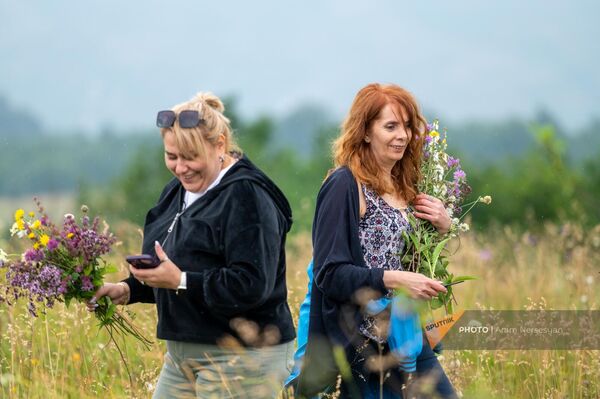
[{"x": 231, "y": 244}]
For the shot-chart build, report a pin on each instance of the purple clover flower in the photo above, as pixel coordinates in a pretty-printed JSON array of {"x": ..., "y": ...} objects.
[
  {"x": 33, "y": 255},
  {"x": 86, "y": 284},
  {"x": 452, "y": 162},
  {"x": 459, "y": 175},
  {"x": 52, "y": 244}
]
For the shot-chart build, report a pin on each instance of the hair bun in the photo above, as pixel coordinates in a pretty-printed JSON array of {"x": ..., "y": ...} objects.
[{"x": 211, "y": 100}]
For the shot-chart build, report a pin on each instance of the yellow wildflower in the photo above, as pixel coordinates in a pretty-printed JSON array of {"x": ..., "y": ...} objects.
[
  {"x": 434, "y": 134},
  {"x": 31, "y": 235},
  {"x": 36, "y": 245},
  {"x": 44, "y": 239},
  {"x": 76, "y": 357},
  {"x": 70, "y": 235},
  {"x": 36, "y": 225},
  {"x": 31, "y": 214},
  {"x": 20, "y": 224},
  {"x": 19, "y": 215}
]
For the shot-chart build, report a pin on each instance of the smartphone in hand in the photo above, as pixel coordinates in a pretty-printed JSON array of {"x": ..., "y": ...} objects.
[{"x": 143, "y": 261}]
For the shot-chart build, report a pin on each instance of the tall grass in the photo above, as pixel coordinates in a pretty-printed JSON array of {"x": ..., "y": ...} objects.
[{"x": 62, "y": 355}]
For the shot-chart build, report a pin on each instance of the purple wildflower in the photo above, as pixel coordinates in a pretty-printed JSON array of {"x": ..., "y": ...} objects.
[
  {"x": 459, "y": 175},
  {"x": 40, "y": 283},
  {"x": 86, "y": 284},
  {"x": 452, "y": 162},
  {"x": 52, "y": 244},
  {"x": 33, "y": 255},
  {"x": 485, "y": 255}
]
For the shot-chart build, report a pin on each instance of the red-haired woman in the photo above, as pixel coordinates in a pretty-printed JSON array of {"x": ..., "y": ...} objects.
[{"x": 357, "y": 242}]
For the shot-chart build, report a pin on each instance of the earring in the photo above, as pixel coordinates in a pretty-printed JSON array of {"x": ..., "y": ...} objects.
[
  {"x": 221, "y": 158},
  {"x": 367, "y": 140}
]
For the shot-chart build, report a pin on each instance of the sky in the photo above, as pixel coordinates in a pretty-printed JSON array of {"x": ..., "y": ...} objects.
[{"x": 88, "y": 65}]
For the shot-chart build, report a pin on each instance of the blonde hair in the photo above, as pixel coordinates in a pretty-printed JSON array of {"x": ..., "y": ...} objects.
[
  {"x": 351, "y": 150},
  {"x": 191, "y": 142}
]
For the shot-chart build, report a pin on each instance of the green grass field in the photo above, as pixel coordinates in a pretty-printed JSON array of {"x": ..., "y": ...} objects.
[{"x": 62, "y": 355}]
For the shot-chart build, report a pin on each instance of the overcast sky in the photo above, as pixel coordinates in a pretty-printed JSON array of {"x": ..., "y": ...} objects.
[{"x": 87, "y": 64}]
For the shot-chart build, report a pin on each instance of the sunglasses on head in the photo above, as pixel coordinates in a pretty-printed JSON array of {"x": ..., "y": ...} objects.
[{"x": 187, "y": 119}]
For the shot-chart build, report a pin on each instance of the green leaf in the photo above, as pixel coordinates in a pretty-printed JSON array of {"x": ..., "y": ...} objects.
[
  {"x": 464, "y": 278},
  {"x": 415, "y": 242},
  {"x": 449, "y": 306},
  {"x": 438, "y": 250},
  {"x": 110, "y": 311},
  {"x": 436, "y": 303},
  {"x": 440, "y": 270},
  {"x": 110, "y": 268}
]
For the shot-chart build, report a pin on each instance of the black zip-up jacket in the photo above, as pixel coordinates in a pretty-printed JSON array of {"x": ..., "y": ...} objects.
[{"x": 231, "y": 244}]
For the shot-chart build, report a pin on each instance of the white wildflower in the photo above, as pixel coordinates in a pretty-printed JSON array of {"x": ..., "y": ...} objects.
[
  {"x": 439, "y": 170},
  {"x": 14, "y": 229},
  {"x": 589, "y": 280},
  {"x": 3, "y": 256},
  {"x": 486, "y": 200},
  {"x": 69, "y": 216},
  {"x": 464, "y": 227}
]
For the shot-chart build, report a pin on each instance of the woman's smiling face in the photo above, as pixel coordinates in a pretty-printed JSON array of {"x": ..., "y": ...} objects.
[
  {"x": 389, "y": 135},
  {"x": 195, "y": 174}
]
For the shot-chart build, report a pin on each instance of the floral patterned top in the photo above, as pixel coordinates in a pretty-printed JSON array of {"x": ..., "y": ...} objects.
[{"x": 380, "y": 233}]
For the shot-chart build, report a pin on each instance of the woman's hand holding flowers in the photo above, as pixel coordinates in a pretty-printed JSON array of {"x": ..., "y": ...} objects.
[
  {"x": 118, "y": 294},
  {"x": 418, "y": 285},
  {"x": 432, "y": 209}
]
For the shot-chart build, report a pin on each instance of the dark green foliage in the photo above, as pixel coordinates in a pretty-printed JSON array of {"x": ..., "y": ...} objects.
[
  {"x": 534, "y": 175},
  {"x": 535, "y": 188}
]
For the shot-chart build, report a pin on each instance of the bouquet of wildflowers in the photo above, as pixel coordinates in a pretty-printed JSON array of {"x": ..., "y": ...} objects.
[
  {"x": 443, "y": 178},
  {"x": 62, "y": 263}
]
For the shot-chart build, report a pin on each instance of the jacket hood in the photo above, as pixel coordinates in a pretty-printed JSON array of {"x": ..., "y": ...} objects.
[{"x": 244, "y": 169}]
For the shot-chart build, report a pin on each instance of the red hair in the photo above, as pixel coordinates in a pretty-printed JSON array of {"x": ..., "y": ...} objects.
[{"x": 351, "y": 150}]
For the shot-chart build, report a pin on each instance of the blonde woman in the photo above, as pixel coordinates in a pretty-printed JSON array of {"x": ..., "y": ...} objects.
[{"x": 218, "y": 231}]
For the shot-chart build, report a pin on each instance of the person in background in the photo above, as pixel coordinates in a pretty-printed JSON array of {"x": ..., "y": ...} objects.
[
  {"x": 218, "y": 232},
  {"x": 360, "y": 215}
]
